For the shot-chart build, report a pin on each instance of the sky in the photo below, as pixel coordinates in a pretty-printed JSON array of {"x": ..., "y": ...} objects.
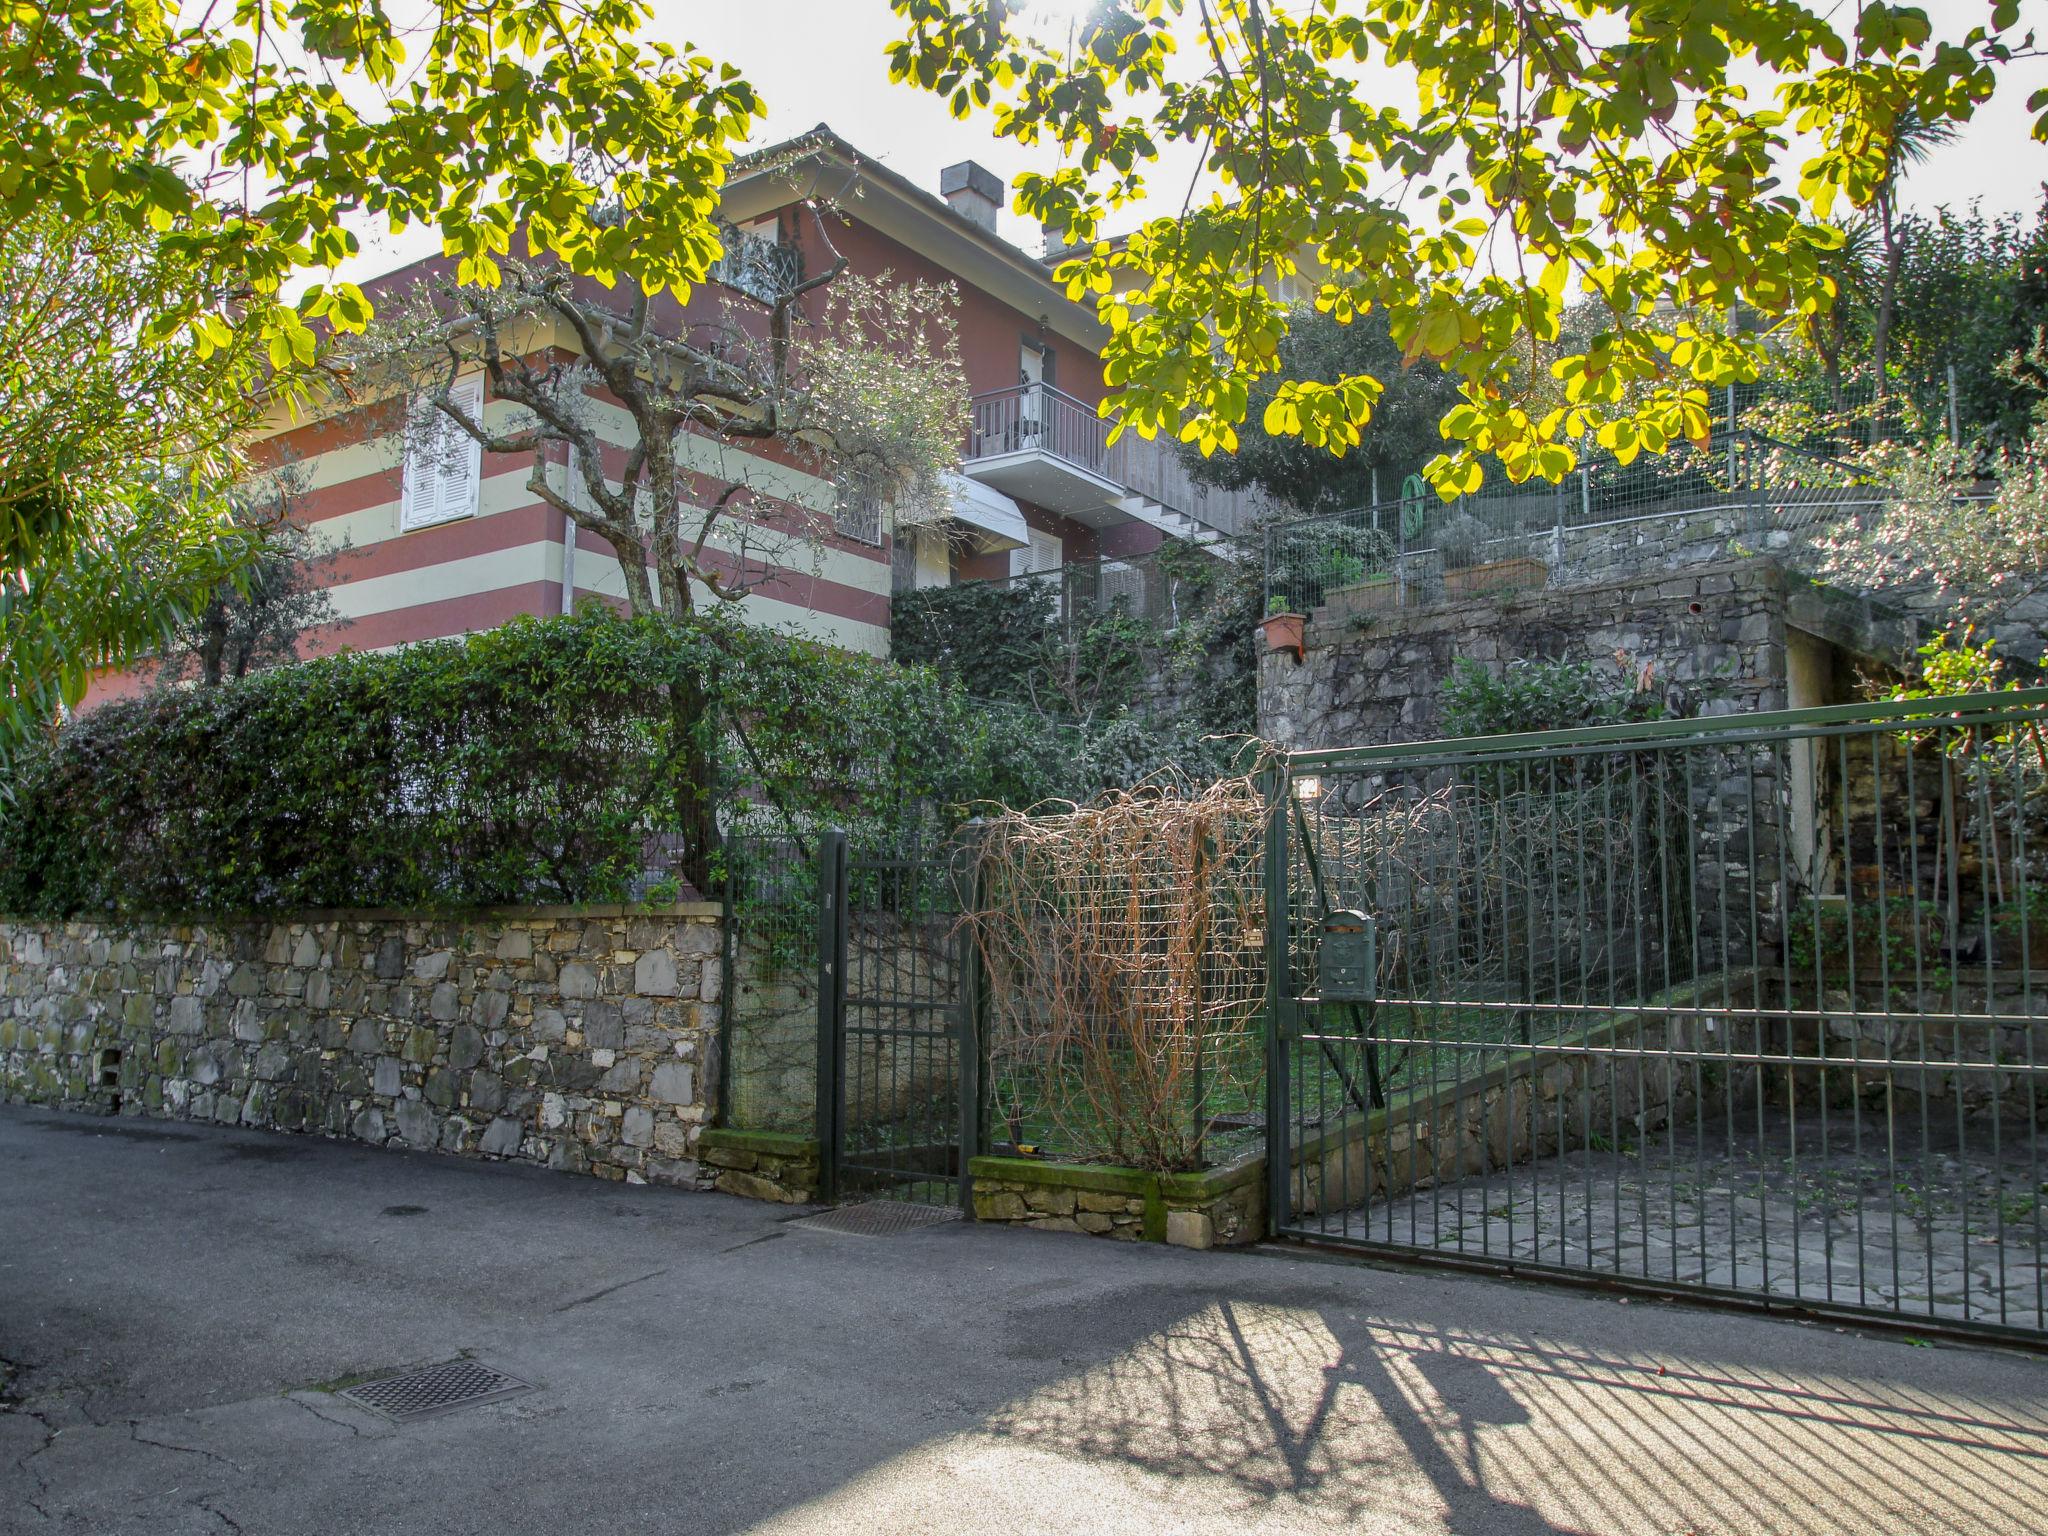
[{"x": 822, "y": 61}]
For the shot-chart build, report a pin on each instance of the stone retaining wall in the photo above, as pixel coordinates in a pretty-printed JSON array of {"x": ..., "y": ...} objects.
[
  {"x": 578, "y": 1039},
  {"x": 1220, "y": 1208},
  {"x": 1536, "y": 1105},
  {"x": 1714, "y": 634},
  {"x": 761, "y": 1165}
]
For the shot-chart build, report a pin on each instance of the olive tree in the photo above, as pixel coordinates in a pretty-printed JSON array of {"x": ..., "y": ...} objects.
[{"x": 853, "y": 381}]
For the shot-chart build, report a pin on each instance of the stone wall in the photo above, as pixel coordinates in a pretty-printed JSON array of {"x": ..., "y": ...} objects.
[
  {"x": 761, "y": 1165},
  {"x": 1222, "y": 1207},
  {"x": 581, "y": 1040},
  {"x": 1713, "y": 636},
  {"x": 1535, "y": 1105}
]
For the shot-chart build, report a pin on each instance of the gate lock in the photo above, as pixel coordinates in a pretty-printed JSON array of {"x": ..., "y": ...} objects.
[{"x": 1347, "y": 958}]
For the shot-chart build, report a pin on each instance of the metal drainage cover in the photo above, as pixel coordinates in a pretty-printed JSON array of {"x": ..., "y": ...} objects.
[
  {"x": 434, "y": 1389},
  {"x": 878, "y": 1218}
]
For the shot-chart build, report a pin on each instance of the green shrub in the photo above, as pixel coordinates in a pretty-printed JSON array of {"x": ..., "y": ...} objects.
[
  {"x": 537, "y": 762},
  {"x": 1118, "y": 696},
  {"x": 1543, "y": 696}
]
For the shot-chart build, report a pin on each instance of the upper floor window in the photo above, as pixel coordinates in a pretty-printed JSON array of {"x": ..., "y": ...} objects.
[
  {"x": 858, "y": 512},
  {"x": 755, "y": 262},
  {"x": 443, "y": 464}
]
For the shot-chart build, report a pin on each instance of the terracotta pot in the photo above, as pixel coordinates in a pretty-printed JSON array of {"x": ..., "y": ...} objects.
[{"x": 1284, "y": 631}]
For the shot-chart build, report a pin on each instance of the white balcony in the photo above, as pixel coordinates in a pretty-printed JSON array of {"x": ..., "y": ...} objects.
[{"x": 1039, "y": 445}]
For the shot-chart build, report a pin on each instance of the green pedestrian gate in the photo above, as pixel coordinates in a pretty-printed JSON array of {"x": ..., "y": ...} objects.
[
  {"x": 894, "y": 979},
  {"x": 1754, "y": 1006}
]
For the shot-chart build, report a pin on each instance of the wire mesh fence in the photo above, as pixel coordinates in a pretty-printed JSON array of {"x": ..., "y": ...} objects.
[
  {"x": 768, "y": 1009},
  {"x": 1419, "y": 547}
]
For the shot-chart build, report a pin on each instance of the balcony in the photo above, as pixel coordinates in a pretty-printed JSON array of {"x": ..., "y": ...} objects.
[{"x": 1037, "y": 444}]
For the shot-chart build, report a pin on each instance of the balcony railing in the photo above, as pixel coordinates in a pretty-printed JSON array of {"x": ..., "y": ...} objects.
[
  {"x": 1037, "y": 418},
  {"x": 1141, "y": 586}
]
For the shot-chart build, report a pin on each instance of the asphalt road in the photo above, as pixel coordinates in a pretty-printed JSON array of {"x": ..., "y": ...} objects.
[{"x": 177, "y": 1304}]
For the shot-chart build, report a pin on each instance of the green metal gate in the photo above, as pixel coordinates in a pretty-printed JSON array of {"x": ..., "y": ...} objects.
[
  {"x": 1750, "y": 1006},
  {"x": 894, "y": 981}
]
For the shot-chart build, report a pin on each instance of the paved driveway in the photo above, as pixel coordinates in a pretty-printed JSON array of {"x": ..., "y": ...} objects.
[{"x": 177, "y": 1302}]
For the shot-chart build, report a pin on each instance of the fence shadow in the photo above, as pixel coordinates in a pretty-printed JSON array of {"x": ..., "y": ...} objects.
[{"x": 1346, "y": 1416}]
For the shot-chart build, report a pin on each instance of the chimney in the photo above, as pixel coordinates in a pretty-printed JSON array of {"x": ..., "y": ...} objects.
[{"x": 973, "y": 192}]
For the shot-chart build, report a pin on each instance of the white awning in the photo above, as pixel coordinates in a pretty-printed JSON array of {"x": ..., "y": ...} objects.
[{"x": 992, "y": 516}]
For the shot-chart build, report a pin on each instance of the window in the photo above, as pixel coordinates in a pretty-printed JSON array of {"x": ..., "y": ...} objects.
[
  {"x": 755, "y": 262},
  {"x": 443, "y": 463},
  {"x": 858, "y": 515},
  {"x": 1040, "y": 557}
]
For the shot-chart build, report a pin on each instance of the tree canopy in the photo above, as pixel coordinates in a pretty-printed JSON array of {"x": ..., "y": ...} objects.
[
  {"x": 218, "y": 158},
  {"x": 248, "y": 135},
  {"x": 115, "y": 460},
  {"x": 1397, "y": 440},
  {"x": 1630, "y": 154}
]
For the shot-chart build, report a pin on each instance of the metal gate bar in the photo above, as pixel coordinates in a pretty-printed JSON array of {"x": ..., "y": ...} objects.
[
  {"x": 896, "y": 1091},
  {"x": 1743, "y": 1007}
]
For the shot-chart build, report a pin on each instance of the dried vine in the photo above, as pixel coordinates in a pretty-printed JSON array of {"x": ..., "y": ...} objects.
[{"x": 1123, "y": 947}]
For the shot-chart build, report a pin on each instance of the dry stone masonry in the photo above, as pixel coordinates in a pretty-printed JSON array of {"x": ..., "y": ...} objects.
[
  {"x": 1714, "y": 634},
  {"x": 576, "y": 1039},
  {"x": 1222, "y": 1207}
]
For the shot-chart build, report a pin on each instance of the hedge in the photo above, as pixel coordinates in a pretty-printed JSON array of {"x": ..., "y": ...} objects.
[{"x": 537, "y": 762}]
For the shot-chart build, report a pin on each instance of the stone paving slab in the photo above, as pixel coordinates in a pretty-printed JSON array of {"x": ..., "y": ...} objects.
[{"x": 1952, "y": 1230}]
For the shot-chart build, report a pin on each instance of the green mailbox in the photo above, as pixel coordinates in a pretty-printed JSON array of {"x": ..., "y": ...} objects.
[{"x": 1347, "y": 958}]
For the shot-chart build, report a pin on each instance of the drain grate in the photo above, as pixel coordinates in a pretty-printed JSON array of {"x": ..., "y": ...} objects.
[
  {"x": 434, "y": 1389},
  {"x": 878, "y": 1218}
]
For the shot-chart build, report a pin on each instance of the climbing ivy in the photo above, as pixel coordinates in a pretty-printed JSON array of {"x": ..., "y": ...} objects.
[
  {"x": 1140, "y": 694},
  {"x": 1534, "y": 695}
]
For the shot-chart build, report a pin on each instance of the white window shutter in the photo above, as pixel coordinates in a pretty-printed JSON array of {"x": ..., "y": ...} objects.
[
  {"x": 443, "y": 475},
  {"x": 462, "y": 460},
  {"x": 416, "y": 495},
  {"x": 1042, "y": 554}
]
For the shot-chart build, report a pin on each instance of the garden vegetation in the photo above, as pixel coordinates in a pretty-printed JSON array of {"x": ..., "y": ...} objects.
[{"x": 537, "y": 762}]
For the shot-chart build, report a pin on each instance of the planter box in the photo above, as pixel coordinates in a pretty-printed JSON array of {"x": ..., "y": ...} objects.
[
  {"x": 1496, "y": 576},
  {"x": 1380, "y": 595}
]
